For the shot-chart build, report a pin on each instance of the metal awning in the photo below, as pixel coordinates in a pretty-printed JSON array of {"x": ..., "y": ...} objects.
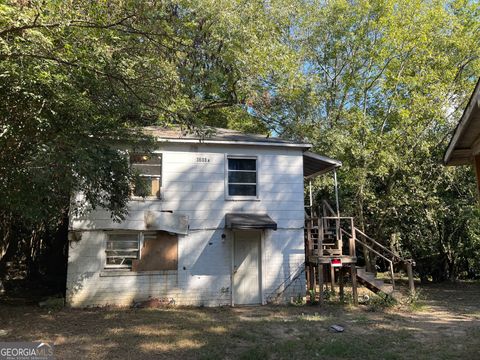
[
  {"x": 314, "y": 164},
  {"x": 245, "y": 221}
]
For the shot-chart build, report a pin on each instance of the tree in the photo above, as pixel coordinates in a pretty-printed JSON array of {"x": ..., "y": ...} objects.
[
  {"x": 79, "y": 77},
  {"x": 385, "y": 81}
]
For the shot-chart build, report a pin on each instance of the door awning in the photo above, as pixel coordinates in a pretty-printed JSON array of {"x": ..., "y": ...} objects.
[
  {"x": 245, "y": 221},
  {"x": 315, "y": 165}
]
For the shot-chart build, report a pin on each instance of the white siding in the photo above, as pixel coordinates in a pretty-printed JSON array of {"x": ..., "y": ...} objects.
[{"x": 204, "y": 264}]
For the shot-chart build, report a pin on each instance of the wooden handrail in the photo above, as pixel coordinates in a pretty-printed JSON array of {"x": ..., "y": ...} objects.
[
  {"x": 394, "y": 256},
  {"x": 373, "y": 250},
  {"x": 390, "y": 262},
  {"x": 329, "y": 208}
]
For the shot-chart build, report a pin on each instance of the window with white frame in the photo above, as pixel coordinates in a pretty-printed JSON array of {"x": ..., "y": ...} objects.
[
  {"x": 149, "y": 169},
  {"x": 121, "y": 250},
  {"x": 242, "y": 176}
]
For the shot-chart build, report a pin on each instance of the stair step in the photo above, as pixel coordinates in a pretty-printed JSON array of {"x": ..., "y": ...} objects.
[{"x": 373, "y": 282}]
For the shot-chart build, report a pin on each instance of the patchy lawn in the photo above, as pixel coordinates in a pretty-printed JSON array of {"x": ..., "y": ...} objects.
[{"x": 446, "y": 325}]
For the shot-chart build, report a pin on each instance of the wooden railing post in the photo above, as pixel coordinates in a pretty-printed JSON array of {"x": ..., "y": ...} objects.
[
  {"x": 320, "y": 236},
  {"x": 309, "y": 238},
  {"x": 392, "y": 274},
  {"x": 352, "y": 239},
  {"x": 320, "y": 283},
  {"x": 353, "y": 274},
  {"x": 411, "y": 284}
]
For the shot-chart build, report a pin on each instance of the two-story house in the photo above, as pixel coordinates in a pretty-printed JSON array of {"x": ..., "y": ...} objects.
[{"x": 219, "y": 221}]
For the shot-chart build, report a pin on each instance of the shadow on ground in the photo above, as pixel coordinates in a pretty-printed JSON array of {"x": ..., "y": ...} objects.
[{"x": 446, "y": 326}]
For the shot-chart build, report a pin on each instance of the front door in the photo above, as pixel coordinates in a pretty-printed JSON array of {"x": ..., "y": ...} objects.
[{"x": 246, "y": 277}]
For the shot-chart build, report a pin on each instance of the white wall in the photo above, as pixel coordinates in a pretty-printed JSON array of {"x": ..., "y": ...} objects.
[{"x": 204, "y": 264}]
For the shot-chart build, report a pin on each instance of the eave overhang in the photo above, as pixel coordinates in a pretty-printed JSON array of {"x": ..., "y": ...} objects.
[
  {"x": 465, "y": 142},
  {"x": 315, "y": 165}
]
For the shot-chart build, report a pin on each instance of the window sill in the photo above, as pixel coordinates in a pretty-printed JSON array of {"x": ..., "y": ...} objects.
[
  {"x": 148, "y": 198},
  {"x": 114, "y": 273},
  {"x": 241, "y": 198}
]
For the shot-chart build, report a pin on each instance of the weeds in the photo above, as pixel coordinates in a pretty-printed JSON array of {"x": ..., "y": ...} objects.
[
  {"x": 415, "y": 300},
  {"x": 380, "y": 302}
]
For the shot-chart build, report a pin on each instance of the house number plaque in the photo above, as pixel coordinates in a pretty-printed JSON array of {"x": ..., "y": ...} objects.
[{"x": 202, "y": 159}]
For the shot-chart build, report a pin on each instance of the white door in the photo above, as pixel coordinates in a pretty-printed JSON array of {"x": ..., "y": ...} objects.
[{"x": 246, "y": 277}]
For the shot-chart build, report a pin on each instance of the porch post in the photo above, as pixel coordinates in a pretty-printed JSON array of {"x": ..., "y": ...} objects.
[
  {"x": 353, "y": 274},
  {"x": 476, "y": 163},
  {"x": 336, "y": 191},
  {"x": 320, "y": 283},
  {"x": 340, "y": 283},
  {"x": 310, "y": 197},
  {"x": 411, "y": 284},
  {"x": 332, "y": 278}
]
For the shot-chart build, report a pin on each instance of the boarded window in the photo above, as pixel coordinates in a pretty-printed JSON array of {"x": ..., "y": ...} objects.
[
  {"x": 122, "y": 250},
  {"x": 159, "y": 252},
  {"x": 242, "y": 176},
  {"x": 149, "y": 169}
]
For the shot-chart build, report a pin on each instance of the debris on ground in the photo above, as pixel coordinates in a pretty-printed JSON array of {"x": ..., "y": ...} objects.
[
  {"x": 52, "y": 303},
  {"x": 336, "y": 328},
  {"x": 153, "y": 303},
  {"x": 364, "y": 299}
]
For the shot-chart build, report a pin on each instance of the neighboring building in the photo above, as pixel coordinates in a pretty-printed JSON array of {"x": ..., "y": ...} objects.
[
  {"x": 464, "y": 147},
  {"x": 221, "y": 223}
]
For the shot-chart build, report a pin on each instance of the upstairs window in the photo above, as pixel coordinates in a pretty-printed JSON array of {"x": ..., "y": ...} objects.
[
  {"x": 149, "y": 169},
  {"x": 242, "y": 176}
]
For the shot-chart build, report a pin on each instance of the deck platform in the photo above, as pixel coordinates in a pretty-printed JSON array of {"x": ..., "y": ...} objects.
[{"x": 316, "y": 259}]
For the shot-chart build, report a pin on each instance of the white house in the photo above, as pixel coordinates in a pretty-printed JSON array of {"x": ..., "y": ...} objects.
[{"x": 222, "y": 223}]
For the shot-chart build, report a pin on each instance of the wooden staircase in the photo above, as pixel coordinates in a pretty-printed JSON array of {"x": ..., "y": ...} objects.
[
  {"x": 324, "y": 244},
  {"x": 381, "y": 252},
  {"x": 376, "y": 285}
]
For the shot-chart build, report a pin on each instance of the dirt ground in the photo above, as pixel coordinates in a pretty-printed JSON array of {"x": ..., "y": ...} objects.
[{"x": 445, "y": 324}]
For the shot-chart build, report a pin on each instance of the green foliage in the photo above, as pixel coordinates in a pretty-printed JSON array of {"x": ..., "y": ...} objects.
[
  {"x": 386, "y": 81},
  {"x": 77, "y": 78},
  {"x": 377, "y": 84},
  {"x": 380, "y": 302},
  {"x": 416, "y": 300}
]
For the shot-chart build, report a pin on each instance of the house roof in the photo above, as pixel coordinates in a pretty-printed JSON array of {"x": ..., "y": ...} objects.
[
  {"x": 466, "y": 136},
  {"x": 221, "y": 136},
  {"x": 313, "y": 164}
]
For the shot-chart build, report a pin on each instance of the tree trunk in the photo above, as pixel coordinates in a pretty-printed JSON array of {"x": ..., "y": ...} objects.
[
  {"x": 8, "y": 255},
  {"x": 56, "y": 256}
]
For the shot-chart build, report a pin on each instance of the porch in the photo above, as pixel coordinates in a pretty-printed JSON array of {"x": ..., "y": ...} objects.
[{"x": 334, "y": 247}]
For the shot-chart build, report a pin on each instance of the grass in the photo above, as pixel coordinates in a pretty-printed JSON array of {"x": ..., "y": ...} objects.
[{"x": 450, "y": 329}]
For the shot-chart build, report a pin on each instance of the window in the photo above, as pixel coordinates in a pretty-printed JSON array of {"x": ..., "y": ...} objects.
[
  {"x": 121, "y": 250},
  {"x": 242, "y": 176},
  {"x": 149, "y": 168},
  {"x": 142, "y": 251}
]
